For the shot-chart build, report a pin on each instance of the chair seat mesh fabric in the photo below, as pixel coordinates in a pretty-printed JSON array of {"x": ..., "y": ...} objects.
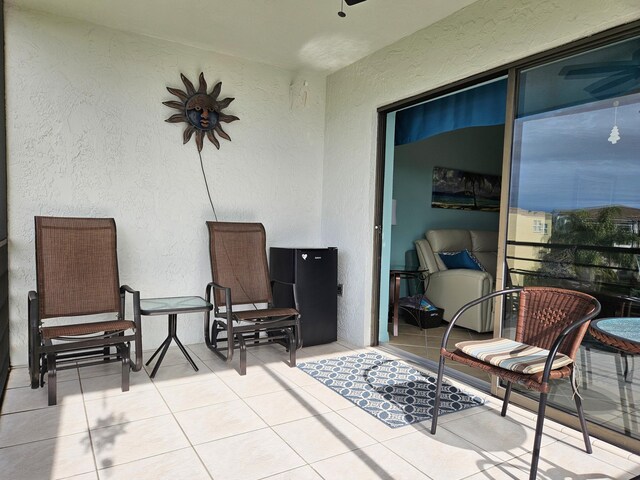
[
  {"x": 72, "y": 330},
  {"x": 264, "y": 313}
]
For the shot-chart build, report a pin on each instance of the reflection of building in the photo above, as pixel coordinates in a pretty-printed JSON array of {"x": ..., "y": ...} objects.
[
  {"x": 615, "y": 230},
  {"x": 625, "y": 218},
  {"x": 528, "y": 226}
]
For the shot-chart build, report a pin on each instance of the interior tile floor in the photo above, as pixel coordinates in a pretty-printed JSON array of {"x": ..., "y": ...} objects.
[
  {"x": 276, "y": 422},
  {"x": 426, "y": 343}
]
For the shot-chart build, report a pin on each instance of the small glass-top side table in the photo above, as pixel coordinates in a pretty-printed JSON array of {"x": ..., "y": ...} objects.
[
  {"x": 398, "y": 272},
  {"x": 172, "y": 306}
]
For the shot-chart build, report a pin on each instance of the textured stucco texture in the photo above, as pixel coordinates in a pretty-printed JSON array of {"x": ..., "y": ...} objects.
[
  {"x": 86, "y": 136},
  {"x": 482, "y": 36}
]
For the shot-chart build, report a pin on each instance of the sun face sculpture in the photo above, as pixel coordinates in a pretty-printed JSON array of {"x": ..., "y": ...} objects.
[{"x": 201, "y": 111}]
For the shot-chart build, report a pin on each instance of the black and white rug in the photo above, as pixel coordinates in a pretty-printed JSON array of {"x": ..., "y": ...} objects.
[{"x": 390, "y": 390}]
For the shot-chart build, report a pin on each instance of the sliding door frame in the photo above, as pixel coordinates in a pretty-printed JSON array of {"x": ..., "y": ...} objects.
[
  {"x": 4, "y": 247},
  {"x": 512, "y": 70}
]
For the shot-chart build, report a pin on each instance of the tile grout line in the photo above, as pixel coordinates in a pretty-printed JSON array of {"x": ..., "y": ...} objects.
[
  {"x": 406, "y": 459},
  {"x": 178, "y": 423},
  {"x": 376, "y": 441},
  {"x": 41, "y": 439},
  {"x": 310, "y": 465},
  {"x": 86, "y": 418},
  {"x": 270, "y": 426},
  {"x": 292, "y": 385}
]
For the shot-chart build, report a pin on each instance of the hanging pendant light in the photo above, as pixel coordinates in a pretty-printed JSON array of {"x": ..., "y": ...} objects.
[{"x": 614, "y": 136}]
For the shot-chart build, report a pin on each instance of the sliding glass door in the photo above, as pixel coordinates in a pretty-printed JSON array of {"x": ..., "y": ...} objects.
[{"x": 574, "y": 207}]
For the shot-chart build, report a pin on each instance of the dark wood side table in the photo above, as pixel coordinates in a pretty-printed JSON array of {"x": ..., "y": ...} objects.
[
  {"x": 396, "y": 274},
  {"x": 172, "y": 306}
]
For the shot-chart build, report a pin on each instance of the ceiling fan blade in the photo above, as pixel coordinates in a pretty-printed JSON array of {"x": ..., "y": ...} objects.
[
  {"x": 613, "y": 84},
  {"x": 353, "y": 2},
  {"x": 595, "y": 69}
]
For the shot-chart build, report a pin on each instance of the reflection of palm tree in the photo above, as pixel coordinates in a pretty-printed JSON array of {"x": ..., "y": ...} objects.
[{"x": 583, "y": 228}]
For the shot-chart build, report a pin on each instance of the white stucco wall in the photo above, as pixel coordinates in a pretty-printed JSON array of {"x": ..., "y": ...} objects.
[
  {"x": 487, "y": 34},
  {"x": 86, "y": 137}
]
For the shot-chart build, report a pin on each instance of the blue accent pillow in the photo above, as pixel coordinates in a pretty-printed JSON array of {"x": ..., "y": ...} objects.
[{"x": 462, "y": 259}]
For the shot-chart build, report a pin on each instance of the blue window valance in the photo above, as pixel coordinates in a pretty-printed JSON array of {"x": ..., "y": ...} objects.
[{"x": 477, "y": 107}]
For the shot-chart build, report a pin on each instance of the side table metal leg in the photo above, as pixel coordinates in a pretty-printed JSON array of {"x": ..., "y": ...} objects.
[
  {"x": 173, "y": 329},
  {"x": 184, "y": 352},
  {"x": 157, "y": 365},
  {"x": 396, "y": 299},
  {"x": 164, "y": 346},
  {"x": 166, "y": 340}
]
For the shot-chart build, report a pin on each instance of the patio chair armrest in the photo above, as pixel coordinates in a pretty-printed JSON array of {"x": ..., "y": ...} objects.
[
  {"x": 33, "y": 335},
  {"x": 33, "y": 313},
  {"x": 207, "y": 314},
  {"x": 33, "y": 304},
  {"x": 136, "y": 302},
  {"x": 216, "y": 286},
  {"x": 227, "y": 298},
  {"x": 127, "y": 288},
  {"x": 473, "y": 303},
  {"x": 294, "y": 288},
  {"x": 136, "y": 365}
]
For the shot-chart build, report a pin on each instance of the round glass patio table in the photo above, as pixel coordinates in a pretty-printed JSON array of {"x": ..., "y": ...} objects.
[{"x": 622, "y": 333}]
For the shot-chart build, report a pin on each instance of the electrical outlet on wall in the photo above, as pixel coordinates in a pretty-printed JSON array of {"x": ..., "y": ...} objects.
[{"x": 340, "y": 287}]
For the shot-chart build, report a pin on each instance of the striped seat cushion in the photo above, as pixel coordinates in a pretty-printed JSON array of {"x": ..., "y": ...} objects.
[{"x": 512, "y": 355}]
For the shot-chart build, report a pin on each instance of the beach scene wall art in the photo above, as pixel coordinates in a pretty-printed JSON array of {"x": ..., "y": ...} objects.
[{"x": 458, "y": 189}]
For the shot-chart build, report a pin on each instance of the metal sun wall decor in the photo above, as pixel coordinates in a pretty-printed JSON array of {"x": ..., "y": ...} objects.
[{"x": 202, "y": 111}]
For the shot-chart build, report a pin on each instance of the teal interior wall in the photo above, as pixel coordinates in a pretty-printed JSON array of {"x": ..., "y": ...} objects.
[{"x": 475, "y": 149}]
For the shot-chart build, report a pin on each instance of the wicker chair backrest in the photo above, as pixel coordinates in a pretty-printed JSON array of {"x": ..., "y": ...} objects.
[
  {"x": 544, "y": 312},
  {"x": 239, "y": 261},
  {"x": 76, "y": 266}
]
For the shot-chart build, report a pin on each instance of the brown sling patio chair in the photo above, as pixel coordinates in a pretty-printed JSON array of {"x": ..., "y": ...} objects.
[
  {"x": 241, "y": 278},
  {"x": 77, "y": 275},
  {"x": 551, "y": 323}
]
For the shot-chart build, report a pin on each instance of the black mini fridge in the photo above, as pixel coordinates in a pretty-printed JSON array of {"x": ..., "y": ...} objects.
[{"x": 315, "y": 274}]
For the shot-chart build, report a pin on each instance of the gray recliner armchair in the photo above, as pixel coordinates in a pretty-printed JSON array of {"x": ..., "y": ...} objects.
[{"x": 450, "y": 289}]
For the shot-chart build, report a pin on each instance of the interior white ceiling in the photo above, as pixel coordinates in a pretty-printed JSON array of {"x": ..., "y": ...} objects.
[{"x": 292, "y": 34}]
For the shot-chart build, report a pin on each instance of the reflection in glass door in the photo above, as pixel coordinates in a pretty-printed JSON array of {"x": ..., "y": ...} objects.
[
  {"x": 447, "y": 156},
  {"x": 574, "y": 208}
]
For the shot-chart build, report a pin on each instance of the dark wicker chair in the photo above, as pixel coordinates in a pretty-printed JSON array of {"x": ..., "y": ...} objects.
[
  {"x": 77, "y": 275},
  {"x": 549, "y": 318},
  {"x": 241, "y": 277}
]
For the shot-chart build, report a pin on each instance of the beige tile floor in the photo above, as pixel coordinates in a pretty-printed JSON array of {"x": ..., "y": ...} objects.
[{"x": 276, "y": 422}]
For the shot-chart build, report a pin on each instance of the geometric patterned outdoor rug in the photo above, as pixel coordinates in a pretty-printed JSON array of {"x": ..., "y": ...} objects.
[{"x": 390, "y": 390}]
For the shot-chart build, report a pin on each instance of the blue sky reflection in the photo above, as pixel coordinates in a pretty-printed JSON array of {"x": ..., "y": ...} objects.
[{"x": 567, "y": 163}]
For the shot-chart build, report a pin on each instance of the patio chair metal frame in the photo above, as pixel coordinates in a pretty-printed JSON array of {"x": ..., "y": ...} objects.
[
  {"x": 63, "y": 345},
  {"x": 252, "y": 327},
  {"x": 580, "y": 306}
]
